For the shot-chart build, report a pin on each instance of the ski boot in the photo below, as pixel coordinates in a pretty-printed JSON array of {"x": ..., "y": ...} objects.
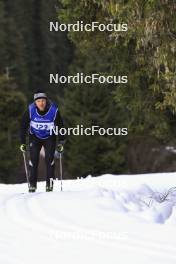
[
  {"x": 32, "y": 188},
  {"x": 49, "y": 185},
  {"x": 49, "y": 188}
]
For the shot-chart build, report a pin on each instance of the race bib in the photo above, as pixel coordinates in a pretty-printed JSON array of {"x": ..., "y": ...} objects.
[{"x": 42, "y": 126}]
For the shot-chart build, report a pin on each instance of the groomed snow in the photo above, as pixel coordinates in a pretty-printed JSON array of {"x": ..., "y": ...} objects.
[{"x": 106, "y": 219}]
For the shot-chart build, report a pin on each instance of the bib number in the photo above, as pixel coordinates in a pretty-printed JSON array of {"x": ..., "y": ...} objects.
[{"x": 42, "y": 127}]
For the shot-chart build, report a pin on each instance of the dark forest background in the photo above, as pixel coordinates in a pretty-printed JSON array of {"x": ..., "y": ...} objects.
[{"x": 29, "y": 52}]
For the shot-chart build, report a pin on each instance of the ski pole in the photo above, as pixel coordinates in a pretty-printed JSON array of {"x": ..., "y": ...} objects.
[
  {"x": 60, "y": 159},
  {"x": 26, "y": 169}
]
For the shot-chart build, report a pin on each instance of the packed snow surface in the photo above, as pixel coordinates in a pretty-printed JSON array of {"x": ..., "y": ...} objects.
[{"x": 96, "y": 220}]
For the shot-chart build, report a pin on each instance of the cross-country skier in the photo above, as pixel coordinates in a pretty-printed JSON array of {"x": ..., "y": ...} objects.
[{"x": 37, "y": 119}]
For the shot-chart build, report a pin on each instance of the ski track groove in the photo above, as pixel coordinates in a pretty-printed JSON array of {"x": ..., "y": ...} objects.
[{"x": 40, "y": 222}]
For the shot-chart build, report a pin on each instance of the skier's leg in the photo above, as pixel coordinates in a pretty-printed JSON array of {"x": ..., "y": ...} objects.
[
  {"x": 49, "y": 146},
  {"x": 34, "y": 147}
]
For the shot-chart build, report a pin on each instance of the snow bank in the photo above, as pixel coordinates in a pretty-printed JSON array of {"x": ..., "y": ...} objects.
[{"x": 105, "y": 219}]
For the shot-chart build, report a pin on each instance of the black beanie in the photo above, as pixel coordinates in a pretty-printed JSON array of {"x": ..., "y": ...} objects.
[{"x": 40, "y": 94}]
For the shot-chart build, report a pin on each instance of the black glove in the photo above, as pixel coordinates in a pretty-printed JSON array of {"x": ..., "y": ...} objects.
[
  {"x": 23, "y": 147},
  {"x": 60, "y": 148}
]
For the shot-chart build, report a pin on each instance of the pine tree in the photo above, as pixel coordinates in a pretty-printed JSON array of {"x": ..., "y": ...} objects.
[
  {"x": 146, "y": 53},
  {"x": 11, "y": 107}
]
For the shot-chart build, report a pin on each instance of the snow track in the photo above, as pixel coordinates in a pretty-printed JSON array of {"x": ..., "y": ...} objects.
[{"x": 95, "y": 220}]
